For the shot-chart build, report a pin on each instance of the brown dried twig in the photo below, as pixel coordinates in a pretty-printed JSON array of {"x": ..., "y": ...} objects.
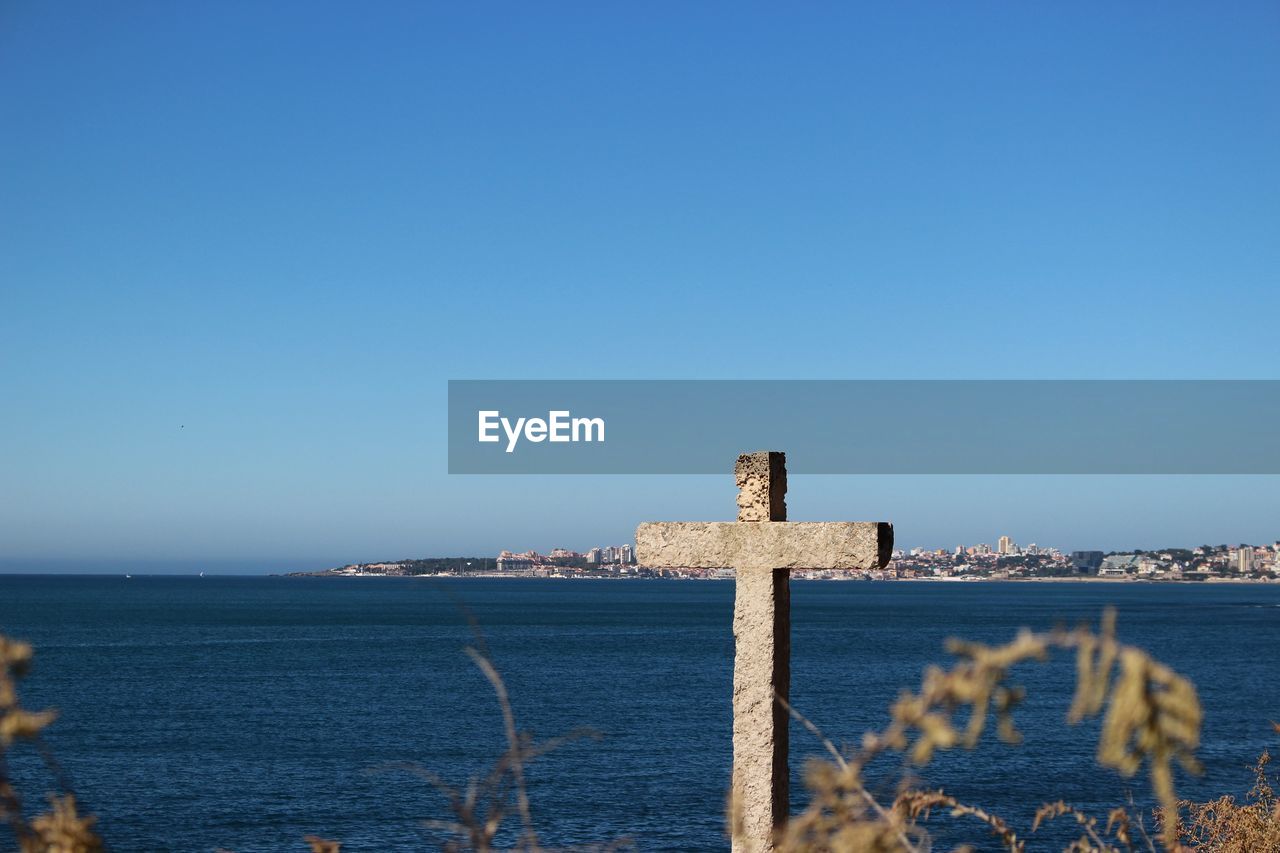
[
  {"x": 62, "y": 829},
  {"x": 1152, "y": 717}
]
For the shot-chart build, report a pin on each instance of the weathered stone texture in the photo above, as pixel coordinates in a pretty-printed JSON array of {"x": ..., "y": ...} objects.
[
  {"x": 765, "y": 544},
  {"x": 761, "y": 668},
  {"x": 762, "y": 486}
]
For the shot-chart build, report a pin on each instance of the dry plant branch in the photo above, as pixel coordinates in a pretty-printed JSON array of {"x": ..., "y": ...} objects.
[
  {"x": 62, "y": 829},
  {"x": 1226, "y": 825},
  {"x": 1152, "y": 717},
  {"x": 479, "y": 809}
]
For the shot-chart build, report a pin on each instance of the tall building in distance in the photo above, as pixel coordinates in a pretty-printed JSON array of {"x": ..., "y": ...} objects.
[
  {"x": 1244, "y": 560},
  {"x": 611, "y": 555},
  {"x": 1005, "y": 546}
]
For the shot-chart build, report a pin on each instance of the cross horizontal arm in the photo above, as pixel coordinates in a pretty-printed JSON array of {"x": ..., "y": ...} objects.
[{"x": 765, "y": 544}]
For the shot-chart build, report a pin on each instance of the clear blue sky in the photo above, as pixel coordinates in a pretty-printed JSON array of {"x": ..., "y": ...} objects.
[{"x": 243, "y": 246}]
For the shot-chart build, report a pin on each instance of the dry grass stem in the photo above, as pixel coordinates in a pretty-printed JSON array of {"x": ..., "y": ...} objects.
[
  {"x": 1151, "y": 716},
  {"x": 62, "y": 829}
]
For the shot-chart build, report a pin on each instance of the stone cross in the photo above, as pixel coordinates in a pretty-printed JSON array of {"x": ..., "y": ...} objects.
[{"x": 762, "y": 548}]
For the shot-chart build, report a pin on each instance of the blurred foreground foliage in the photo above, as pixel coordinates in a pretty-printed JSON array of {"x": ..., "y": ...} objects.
[
  {"x": 61, "y": 829},
  {"x": 1151, "y": 717}
]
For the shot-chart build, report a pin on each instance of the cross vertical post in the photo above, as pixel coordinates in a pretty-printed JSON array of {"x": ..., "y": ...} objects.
[{"x": 761, "y": 665}]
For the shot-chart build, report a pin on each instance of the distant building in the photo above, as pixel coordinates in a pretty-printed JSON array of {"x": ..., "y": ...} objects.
[
  {"x": 508, "y": 562},
  {"x": 1086, "y": 561},
  {"x": 1148, "y": 566},
  {"x": 1119, "y": 565},
  {"x": 1245, "y": 560},
  {"x": 594, "y": 557},
  {"x": 1005, "y": 545},
  {"x": 628, "y": 554}
]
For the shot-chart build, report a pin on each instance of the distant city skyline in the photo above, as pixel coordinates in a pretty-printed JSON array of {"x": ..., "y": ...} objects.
[{"x": 1008, "y": 561}]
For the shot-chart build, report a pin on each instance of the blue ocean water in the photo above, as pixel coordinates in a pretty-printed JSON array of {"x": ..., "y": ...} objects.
[{"x": 243, "y": 713}]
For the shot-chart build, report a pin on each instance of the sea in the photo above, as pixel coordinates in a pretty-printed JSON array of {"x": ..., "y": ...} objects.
[{"x": 243, "y": 713}]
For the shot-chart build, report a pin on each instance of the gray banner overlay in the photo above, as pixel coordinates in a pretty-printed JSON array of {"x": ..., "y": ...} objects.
[{"x": 866, "y": 426}]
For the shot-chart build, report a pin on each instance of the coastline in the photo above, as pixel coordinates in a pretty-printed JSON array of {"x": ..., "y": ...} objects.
[{"x": 798, "y": 578}]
